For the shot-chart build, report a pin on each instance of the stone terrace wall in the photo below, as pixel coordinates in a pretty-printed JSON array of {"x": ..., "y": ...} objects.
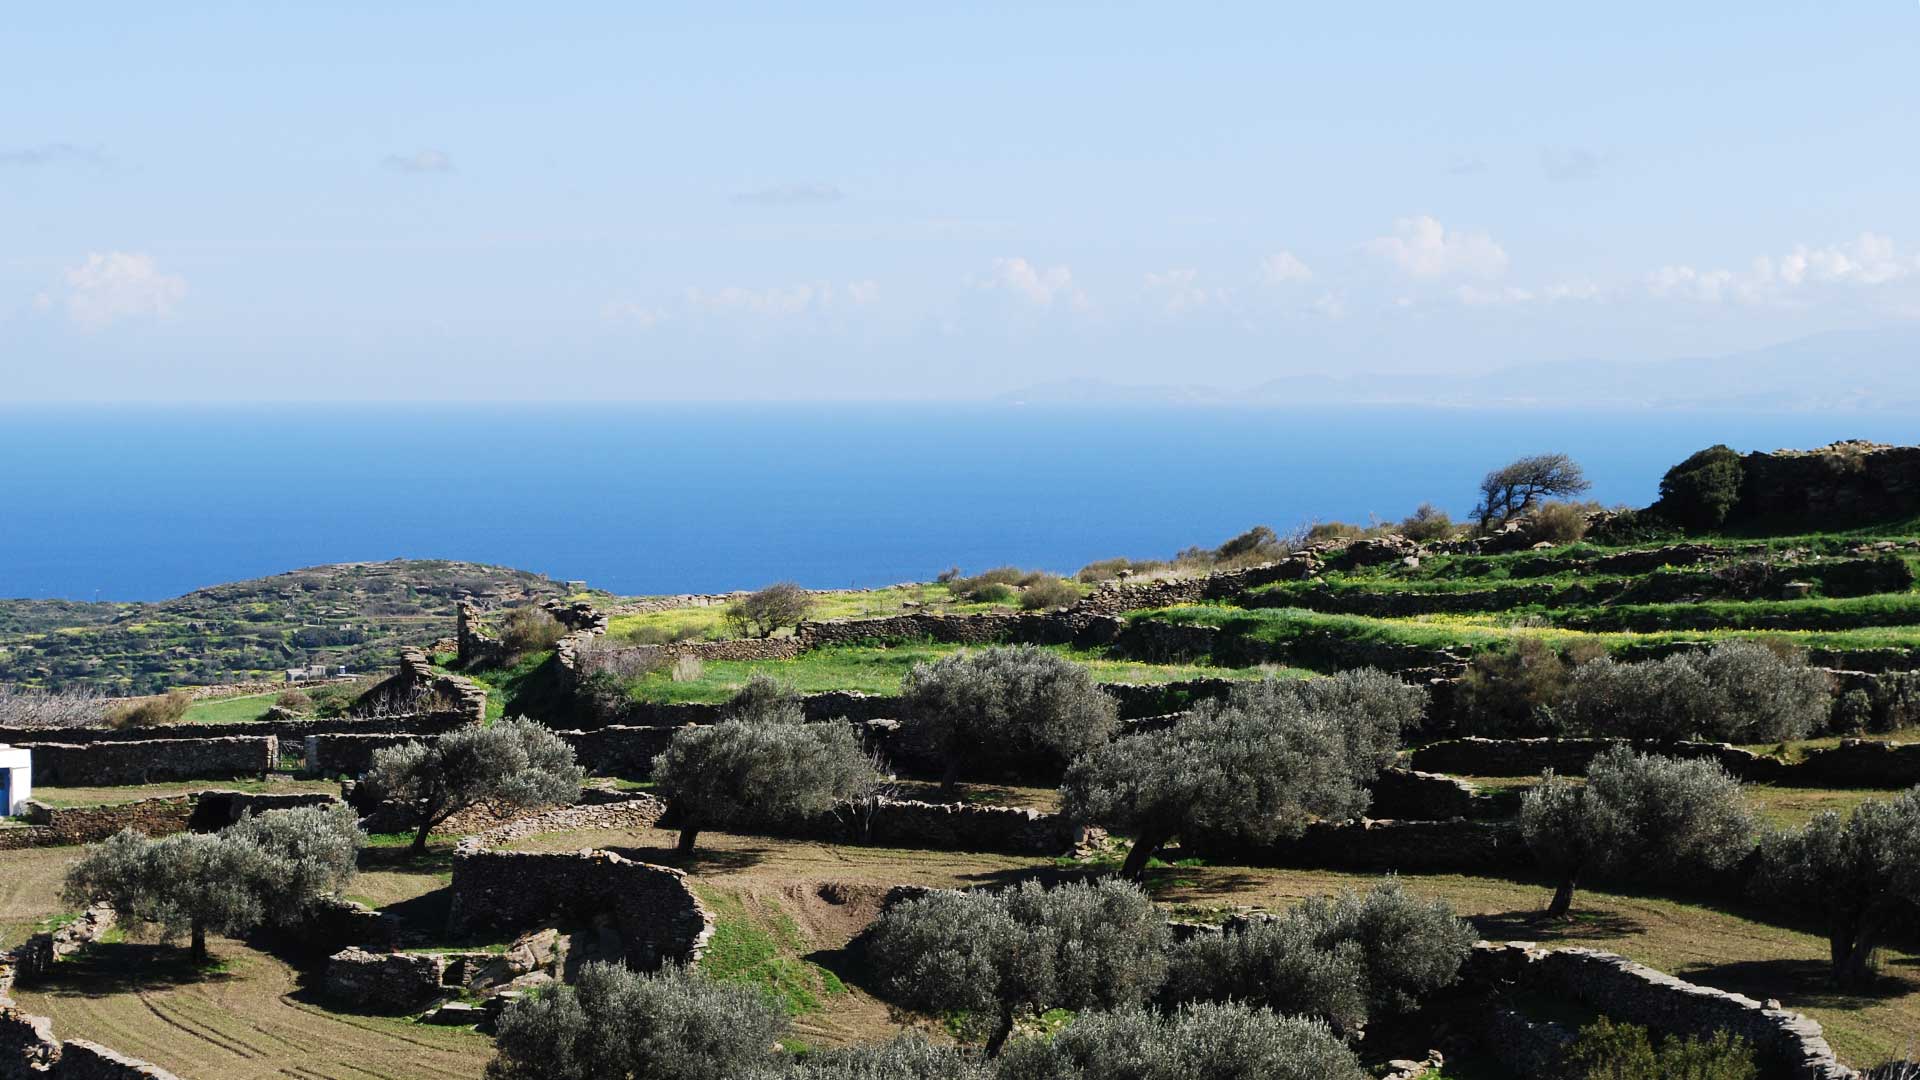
[
  {"x": 351, "y": 755},
  {"x": 618, "y": 750},
  {"x": 1454, "y": 846},
  {"x": 1842, "y": 482},
  {"x": 416, "y": 681},
  {"x": 150, "y": 761},
  {"x": 59, "y": 826},
  {"x": 285, "y": 730},
  {"x": 1855, "y": 763},
  {"x": 1789, "y": 1042},
  {"x": 905, "y": 823},
  {"x": 653, "y": 908},
  {"x": 1419, "y": 796}
]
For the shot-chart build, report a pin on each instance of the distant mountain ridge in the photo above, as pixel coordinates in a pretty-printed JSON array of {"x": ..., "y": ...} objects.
[{"x": 1845, "y": 370}]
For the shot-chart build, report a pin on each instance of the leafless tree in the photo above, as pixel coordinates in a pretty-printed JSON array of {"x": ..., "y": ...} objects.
[{"x": 28, "y": 707}]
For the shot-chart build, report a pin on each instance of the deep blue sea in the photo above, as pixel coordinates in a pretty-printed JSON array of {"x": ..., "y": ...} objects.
[{"x": 146, "y": 503}]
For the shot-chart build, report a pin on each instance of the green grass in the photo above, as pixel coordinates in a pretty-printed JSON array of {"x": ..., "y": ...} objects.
[
  {"x": 879, "y": 669},
  {"x": 233, "y": 710},
  {"x": 708, "y": 623},
  {"x": 762, "y": 950}
]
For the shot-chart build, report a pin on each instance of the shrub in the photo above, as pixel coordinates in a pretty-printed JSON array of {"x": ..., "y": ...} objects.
[
  {"x": 1558, "y": 522},
  {"x": 515, "y": 762},
  {"x": 612, "y": 1022},
  {"x": 1341, "y": 959},
  {"x": 265, "y": 869},
  {"x": 1740, "y": 692},
  {"x": 1248, "y": 770},
  {"x": 1513, "y": 692},
  {"x": 1512, "y": 490},
  {"x": 999, "y": 956},
  {"x": 760, "y": 613},
  {"x": 1323, "y": 531},
  {"x": 1021, "y": 704},
  {"x": 762, "y": 765},
  {"x": 168, "y": 708},
  {"x": 1853, "y": 712},
  {"x": 908, "y": 1057},
  {"x": 1858, "y": 875},
  {"x": 529, "y": 629},
  {"x": 26, "y": 707},
  {"x": 1605, "y": 1050},
  {"x": 1427, "y": 524},
  {"x": 1113, "y": 569},
  {"x": 764, "y": 699},
  {"x": 1896, "y": 700},
  {"x": 999, "y": 585},
  {"x": 621, "y": 662},
  {"x": 1642, "y": 814},
  {"x": 1701, "y": 491},
  {"x": 1230, "y": 1041},
  {"x": 1257, "y": 545},
  {"x": 686, "y": 668},
  {"x": 294, "y": 701},
  {"x": 1048, "y": 592}
]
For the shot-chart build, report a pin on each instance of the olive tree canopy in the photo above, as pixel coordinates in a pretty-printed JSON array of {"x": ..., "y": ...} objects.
[
  {"x": 765, "y": 766},
  {"x": 516, "y": 762},
  {"x": 1859, "y": 875},
  {"x": 1228, "y": 1041},
  {"x": 1004, "y": 704}
]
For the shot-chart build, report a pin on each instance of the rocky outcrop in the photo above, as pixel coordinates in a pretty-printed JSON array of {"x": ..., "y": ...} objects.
[
  {"x": 418, "y": 688},
  {"x": 652, "y": 908},
  {"x": 1842, "y": 482}
]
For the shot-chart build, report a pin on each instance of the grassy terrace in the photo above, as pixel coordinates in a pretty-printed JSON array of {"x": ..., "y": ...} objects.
[
  {"x": 708, "y": 624},
  {"x": 878, "y": 669},
  {"x": 107, "y": 796},
  {"x": 233, "y": 710}
]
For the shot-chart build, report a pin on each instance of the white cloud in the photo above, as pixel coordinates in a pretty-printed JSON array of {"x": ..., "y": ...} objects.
[
  {"x": 1181, "y": 292},
  {"x": 863, "y": 292},
  {"x": 1864, "y": 262},
  {"x": 1478, "y": 296},
  {"x": 778, "y": 301},
  {"x": 634, "y": 314},
  {"x": 115, "y": 285},
  {"x": 1038, "y": 287},
  {"x": 1284, "y": 268},
  {"x": 1423, "y": 247},
  {"x": 420, "y": 161}
]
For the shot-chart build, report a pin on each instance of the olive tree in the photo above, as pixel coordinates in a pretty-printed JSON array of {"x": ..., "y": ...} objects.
[
  {"x": 761, "y": 612},
  {"x": 1740, "y": 691},
  {"x": 1018, "y": 702},
  {"x": 1228, "y": 1041},
  {"x": 764, "y": 766},
  {"x": 1344, "y": 958},
  {"x": 1859, "y": 875},
  {"x": 909, "y": 1057},
  {"x": 1513, "y": 489},
  {"x": 616, "y": 1024},
  {"x": 1255, "y": 768},
  {"x": 514, "y": 762},
  {"x": 1637, "y": 813},
  {"x": 999, "y": 956},
  {"x": 268, "y": 869}
]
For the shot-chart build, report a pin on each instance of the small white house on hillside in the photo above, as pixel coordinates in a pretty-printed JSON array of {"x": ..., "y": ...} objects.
[{"x": 16, "y": 778}]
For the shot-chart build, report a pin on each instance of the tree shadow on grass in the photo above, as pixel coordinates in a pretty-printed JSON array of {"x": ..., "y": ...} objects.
[
  {"x": 423, "y": 916},
  {"x": 1800, "y": 984},
  {"x": 102, "y": 970},
  {"x": 1537, "y": 925},
  {"x": 702, "y": 859},
  {"x": 401, "y": 859}
]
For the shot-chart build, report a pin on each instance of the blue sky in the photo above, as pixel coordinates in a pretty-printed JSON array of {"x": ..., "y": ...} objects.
[{"x": 612, "y": 201}]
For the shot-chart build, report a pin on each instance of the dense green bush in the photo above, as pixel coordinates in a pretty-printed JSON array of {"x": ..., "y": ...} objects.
[
  {"x": 1230, "y": 1041},
  {"x": 1859, "y": 876},
  {"x": 618, "y": 1024},
  {"x": 996, "y": 957},
  {"x": 1637, "y": 815},
  {"x": 1251, "y": 769},
  {"x": 1605, "y": 1050},
  {"x": 1514, "y": 692},
  {"x": 1048, "y": 592},
  {"x": 1701, "y": 491},
  {"x": 1740, "y": 691},
  {"x": 909, "y": 1057},
  {"x": 1003, "y": 708},
  {"x": 1343, "y": 959},
  {"x": 294, "y": 701},
  {"x": 512, "y": 763},
  {"x": 762, "y": 765},
  {"x": 1426, "y": 524},
  {"x": 529, "y": 629}
]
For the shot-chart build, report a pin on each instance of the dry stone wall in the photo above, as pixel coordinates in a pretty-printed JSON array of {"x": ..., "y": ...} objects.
[
  {"x": 28, "y": 1048},
  {"x": 1790, "y": 1043},
  {"x": 1454, "y": 846},
  {"x": 109, "y": 764},
  {"x": 906, "y": 823},
  {"x": 287, "y": 731},
  {"x": 652, "y": 907},
  {"x": 351, "y": 755},
  {"x": 418, "y": 682},
  {"x": 1855, "y": 763}
]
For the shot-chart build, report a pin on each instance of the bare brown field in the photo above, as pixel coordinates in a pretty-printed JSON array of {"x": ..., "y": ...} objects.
[
  {"x": 30, "y": 888},
  {"x": 110, "y": 796},
  {"x": 248, "y": 1019}
]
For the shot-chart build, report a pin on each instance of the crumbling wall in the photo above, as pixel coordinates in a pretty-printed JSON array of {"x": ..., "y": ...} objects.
[
  {"x": 416, "y": 683},
  {"x": 653, "y": 908}
]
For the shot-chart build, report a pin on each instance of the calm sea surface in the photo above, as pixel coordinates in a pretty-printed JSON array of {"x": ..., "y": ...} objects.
[{"x": 141, "y": 504}]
